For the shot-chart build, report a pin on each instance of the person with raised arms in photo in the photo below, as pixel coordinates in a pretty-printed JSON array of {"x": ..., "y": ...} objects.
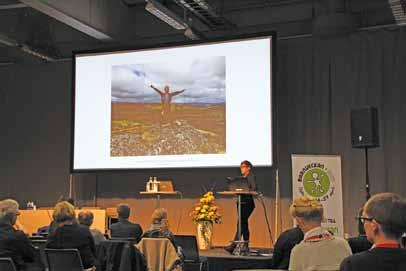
[{"x": 166, "y": 98}]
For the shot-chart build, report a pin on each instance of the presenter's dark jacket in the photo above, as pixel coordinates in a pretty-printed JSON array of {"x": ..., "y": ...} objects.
[
  {"x": 15, "y": 245},
  {"x": 376, "y": 259},
  {"x": 284, "y": 245},
  {"x": 125, "y": 229},
  {"x": 248, "y": 200},
  {"x": 74, "y": 236}
]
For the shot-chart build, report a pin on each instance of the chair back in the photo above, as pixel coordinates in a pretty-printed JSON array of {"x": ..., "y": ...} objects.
[
  {"x": 7, "y": 264},
  {"x": 63, "y": 259},
  {"x": 159, "y": 253},
  {"x": 39, "y": 243},
  {"x": 119, "y": 255}
]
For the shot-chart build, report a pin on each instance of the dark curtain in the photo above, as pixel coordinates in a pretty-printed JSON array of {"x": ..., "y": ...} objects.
[{"x": 319, "y": 81}]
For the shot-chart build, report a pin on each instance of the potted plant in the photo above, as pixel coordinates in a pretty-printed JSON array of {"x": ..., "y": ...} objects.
[{"x": 205, "y": 213}]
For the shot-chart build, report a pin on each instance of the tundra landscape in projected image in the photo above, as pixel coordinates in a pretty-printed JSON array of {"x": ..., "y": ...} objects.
[{"x": 169, "y": 108}]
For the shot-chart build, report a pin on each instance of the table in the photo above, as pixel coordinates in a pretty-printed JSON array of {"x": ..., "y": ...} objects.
[
  {"x": 31, "y": 220},
  {"x": 158, "y": 195}
]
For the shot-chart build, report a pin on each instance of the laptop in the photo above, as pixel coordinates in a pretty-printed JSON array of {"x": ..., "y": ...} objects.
[
  {"x": 165, "y": 186},
  {"x": 237, "y": 184}
]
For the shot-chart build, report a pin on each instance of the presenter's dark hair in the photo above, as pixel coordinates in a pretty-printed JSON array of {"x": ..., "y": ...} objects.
[{"x": 247, "y": 163}]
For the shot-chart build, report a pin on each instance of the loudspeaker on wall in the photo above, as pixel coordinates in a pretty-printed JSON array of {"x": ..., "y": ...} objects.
[{"x": 364, "y": 127}]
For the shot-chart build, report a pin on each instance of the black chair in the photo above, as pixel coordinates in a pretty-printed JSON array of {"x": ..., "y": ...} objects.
[
  {"x": 116, "y": 255},
  {"x": 191, "y": 260},
  {"x": 7, "y": 264},
  {"x": 37, "y": 237},
  {"x": 63, "y": 260},
  {"x": 40, "y": 245}
]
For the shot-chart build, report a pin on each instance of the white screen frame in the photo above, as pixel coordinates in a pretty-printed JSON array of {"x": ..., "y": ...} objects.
[{"x": 181, "y": 161}]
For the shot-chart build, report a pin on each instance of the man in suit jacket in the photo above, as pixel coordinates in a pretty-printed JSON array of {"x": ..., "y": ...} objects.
[
  {"x": 124, "y": 228},
  {"x": 283, "y": 247}
]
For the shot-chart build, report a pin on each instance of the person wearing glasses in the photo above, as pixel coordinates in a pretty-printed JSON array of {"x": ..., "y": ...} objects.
[
  {"x": 359, "y": 243},
  {"x": 14, "y": 243},
  {"x": 320, "y": 249},
  {"x": 247, "y": 207},
  {"x": 384, "y": 219}
]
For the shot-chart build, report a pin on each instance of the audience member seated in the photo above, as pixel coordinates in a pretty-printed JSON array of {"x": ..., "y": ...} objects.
[
  {"x": 85, "y": 218},
  {"x": 359, "y": 243},
  {"x": 124, "y": 228},
  {"x": 283, "y": 247},
  {"x": 69, "y": 234},
  {"x": 45, "y": 230},
  {"x": 14, "y": 243},
  {"x": 320, "y": 250},
  {"x": 384, "y": 222},
  {"x": 160, "y": 228}
]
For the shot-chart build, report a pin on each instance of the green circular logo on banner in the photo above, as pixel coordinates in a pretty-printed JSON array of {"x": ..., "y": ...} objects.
[{"x": 316, "y": 182}]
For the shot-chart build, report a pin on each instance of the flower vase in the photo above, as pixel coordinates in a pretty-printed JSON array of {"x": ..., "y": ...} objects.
[{"x": 204, "y": 234}]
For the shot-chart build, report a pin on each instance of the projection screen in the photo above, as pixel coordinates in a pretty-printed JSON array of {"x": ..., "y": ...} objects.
[{"x": 188, "y": 106}]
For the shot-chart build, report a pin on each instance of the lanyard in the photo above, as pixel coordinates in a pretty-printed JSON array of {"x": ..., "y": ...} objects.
[
  {"x": 387, "y": 245},
  {"x": 319, "y": 237}
]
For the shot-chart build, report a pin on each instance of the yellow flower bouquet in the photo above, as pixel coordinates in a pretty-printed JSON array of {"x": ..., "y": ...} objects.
[{"x": 206, "y": 210}]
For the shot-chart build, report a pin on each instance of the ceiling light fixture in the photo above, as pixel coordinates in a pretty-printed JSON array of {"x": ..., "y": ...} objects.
[
  {"x": 164, "y": 14},
  {"x": 399, "y": 11},
  {"x": 191, "y": 34},
  {"x": 8, "y": 41},
  {"x": 25, "y": 48}
]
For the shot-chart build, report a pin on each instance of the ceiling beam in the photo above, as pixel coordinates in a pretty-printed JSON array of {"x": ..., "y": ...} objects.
[{"x": 71, "y": 13}]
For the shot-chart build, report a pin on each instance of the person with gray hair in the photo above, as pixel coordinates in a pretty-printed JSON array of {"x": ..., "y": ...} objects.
[
  {"x": 85, "y": 218},
  {"x": 319, "y": 250},
  {"x": 14, "y": 243},
  {"x": 384, "y": 219}
]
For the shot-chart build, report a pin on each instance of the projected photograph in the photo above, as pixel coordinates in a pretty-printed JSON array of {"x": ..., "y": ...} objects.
[{"x": 169, "y": 108}]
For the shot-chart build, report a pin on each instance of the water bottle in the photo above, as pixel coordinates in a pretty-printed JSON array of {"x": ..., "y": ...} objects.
[
  {"x": 149, "y": 184},
  {"x": 155, "y": 185}
]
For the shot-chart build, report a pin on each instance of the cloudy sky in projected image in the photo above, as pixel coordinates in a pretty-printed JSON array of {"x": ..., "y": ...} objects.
[{"x": 203, "y": 79}]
